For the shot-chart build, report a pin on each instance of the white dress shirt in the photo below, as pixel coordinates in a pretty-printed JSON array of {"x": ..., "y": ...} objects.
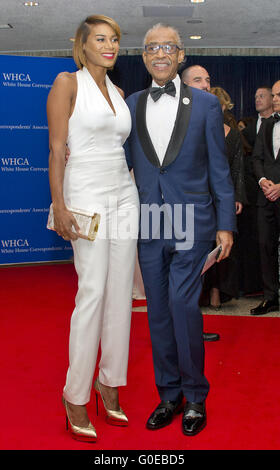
[
  {"x": 276, "y": 138},
  {"x": 161, "y": 117},
  {"x": 259, "y": 122},
  {"x": 275, "y": 142}
]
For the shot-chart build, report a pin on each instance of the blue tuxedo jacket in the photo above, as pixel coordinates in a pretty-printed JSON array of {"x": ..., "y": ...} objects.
[{"x": 195, "y": 169}]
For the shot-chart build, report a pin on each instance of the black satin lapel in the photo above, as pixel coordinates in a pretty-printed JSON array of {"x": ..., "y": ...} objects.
[
  {"x": 181, "y": 125},
  {"x": 269, "y": 136},
  {"x": 142, "y": 130}
]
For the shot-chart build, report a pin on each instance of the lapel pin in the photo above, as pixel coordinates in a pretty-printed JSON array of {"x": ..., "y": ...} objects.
[{"x": 186, "y": 101}]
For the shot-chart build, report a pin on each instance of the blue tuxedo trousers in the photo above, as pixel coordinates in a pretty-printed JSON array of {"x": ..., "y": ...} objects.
[{"x": 173, "y": 285}]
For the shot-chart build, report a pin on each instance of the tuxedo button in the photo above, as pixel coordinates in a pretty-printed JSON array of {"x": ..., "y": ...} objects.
[{"x": 162, "y": 171}]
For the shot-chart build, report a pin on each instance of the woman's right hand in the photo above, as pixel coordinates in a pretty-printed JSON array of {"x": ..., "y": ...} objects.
[{"x": 63, "y": 222}]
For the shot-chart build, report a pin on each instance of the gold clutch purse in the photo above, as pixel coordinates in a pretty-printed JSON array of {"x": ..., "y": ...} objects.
[{"x": 87, "y": 222}]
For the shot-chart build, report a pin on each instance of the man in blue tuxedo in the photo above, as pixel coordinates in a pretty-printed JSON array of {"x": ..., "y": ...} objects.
[{"x": 177, "y": 151}]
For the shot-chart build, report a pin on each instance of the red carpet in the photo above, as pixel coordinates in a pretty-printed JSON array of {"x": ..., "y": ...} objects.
[{"x": 36, "y": 305}]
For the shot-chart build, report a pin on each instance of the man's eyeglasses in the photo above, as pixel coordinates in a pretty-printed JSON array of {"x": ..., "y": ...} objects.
[{"x": 167, "y": 48}]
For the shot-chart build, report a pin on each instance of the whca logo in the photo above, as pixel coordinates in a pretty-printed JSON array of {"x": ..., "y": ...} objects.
[
  {"x": 16, "y": 77},
  {"x": 14, "y": 161},
  {"x": 18, "y": 243}
]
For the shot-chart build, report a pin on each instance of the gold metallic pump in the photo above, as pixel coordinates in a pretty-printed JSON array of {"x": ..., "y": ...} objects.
[
  {"x": 85, "y": 434},
  {"x": 116, "y": 418}
]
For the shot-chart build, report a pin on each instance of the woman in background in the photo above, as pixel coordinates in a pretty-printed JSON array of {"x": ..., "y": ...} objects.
[
  {"x": 222, "y": 280},
  {"x": 86, "y": 111}
]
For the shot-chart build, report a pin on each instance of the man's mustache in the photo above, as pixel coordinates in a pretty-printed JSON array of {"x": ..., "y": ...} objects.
[{"x": 156, "y": 61}]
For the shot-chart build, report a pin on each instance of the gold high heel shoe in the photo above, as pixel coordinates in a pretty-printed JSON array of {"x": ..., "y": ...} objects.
[
  {"x": 116, "y": 418},
  {"x": 85, "y": 434}
]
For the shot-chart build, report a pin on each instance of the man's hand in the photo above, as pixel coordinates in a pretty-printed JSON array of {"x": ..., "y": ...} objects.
[
  {"x": 238, "y": 207},
  {"x": 273, "y": 192},
  {"x": 265, "y": 184},
  {"x": 224, "y": 238}
]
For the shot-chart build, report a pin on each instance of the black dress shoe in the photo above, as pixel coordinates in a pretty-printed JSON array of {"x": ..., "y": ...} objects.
[
  {"x": 211, "y": 336},
  {"x": 164, "y": 413},
  {"x": 266, "y": 306},
  {"x": 194, "y": 418}
]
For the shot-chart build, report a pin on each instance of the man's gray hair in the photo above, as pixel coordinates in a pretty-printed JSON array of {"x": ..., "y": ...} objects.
[{"x": 162, "y": 25}]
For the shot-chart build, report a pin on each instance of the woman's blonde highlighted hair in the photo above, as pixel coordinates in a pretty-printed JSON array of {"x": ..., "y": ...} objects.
[
  {"x": 222, "y": 96},
  {"x": 83, "y": 32}
]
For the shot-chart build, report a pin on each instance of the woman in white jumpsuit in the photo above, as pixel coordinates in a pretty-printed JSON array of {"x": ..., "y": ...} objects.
[{"x": 86, "y": 111}]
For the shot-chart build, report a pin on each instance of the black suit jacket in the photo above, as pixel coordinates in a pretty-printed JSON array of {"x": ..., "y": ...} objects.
[
  {"x": 265, "y": 164},
  {"x": 250, "y": 132}
]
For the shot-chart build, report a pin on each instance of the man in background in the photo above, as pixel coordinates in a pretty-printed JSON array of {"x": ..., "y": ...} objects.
[
  {"x": 263, "y": 104},
  {"x": 267, "y": 170},
  {"x": 198, "y": 77}
]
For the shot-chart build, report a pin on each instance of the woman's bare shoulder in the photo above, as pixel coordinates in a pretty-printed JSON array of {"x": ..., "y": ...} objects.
[
  {"x": 65, "y": 83},
  {"x": 66, "y": 77}
]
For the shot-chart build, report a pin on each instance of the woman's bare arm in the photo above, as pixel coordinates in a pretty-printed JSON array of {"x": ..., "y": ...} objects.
[{"x": 59, "y": 108}]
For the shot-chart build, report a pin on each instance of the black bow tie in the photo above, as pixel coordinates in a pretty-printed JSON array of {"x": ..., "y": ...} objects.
[
  {"x": 156, "y": 91},
  {"x": 276, "y": 117}
]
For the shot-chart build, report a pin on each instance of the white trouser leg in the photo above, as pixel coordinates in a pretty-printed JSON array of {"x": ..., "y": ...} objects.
[
  {"x": 115, "y": 331},
  {"x": 103, "y": 310},
  {"x": 91, "y": 263}
]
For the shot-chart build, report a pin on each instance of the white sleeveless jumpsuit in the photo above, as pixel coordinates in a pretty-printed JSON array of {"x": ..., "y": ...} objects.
[{"x": 97, "y": 179}]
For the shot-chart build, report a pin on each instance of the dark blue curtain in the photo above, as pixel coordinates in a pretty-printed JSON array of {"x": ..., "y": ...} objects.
[
  {"x": 130, "y": 74},
  {"x": 224, "y": 72},
  {"x": 257, "y": 72},
  {"x": 239, "y": 76}
]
